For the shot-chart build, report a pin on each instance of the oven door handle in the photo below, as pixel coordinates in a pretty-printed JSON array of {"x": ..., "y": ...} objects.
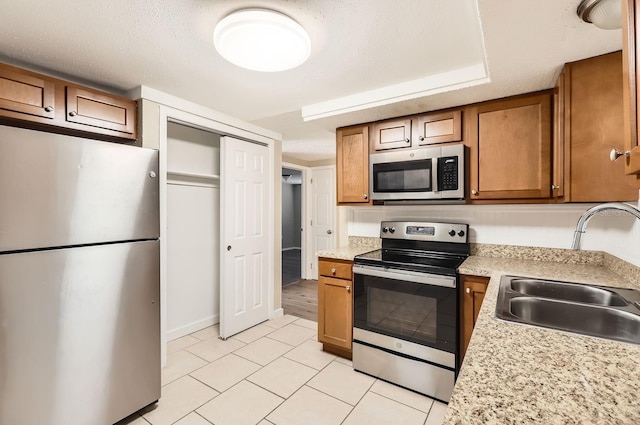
[{"x": 406, "y": 275}]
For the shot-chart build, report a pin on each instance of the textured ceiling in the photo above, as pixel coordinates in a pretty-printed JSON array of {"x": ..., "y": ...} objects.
[{"x": 357, "y": 46}]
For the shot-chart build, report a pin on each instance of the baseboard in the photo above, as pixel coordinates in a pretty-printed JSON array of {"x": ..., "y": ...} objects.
[
  {"x": 277, "y": 313},
  {"x": 292, "y": 248},
  {"x": 192, "y": 327}
]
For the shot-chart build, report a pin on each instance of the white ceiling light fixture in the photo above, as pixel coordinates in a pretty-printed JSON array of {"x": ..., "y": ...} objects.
[
  {"x": 262, "y": 40},
  {"x": 605, "y": 14}
]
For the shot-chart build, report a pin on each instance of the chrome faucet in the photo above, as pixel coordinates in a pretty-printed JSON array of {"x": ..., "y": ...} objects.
[{"x": 588, "y": 214}]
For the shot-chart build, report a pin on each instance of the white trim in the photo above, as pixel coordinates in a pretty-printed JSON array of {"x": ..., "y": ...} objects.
[
  {"x": 306, "y": 256},
  {"x": 223, "y": 122},
  {"x": 192, "y": 327},
  {"x": 447, "y": 81},
  {"x": 277, "y": 313}
]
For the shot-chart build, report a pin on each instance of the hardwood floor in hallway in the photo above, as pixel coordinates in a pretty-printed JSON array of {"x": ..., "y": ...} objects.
[{"x": 301, "y": 299}]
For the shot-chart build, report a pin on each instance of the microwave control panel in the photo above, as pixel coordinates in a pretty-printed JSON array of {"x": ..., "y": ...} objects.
[{"x": 448, "y": 173}]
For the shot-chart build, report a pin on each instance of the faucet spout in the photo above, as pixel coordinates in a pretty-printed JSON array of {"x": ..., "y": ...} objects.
[{"x": 588, "y": 214}]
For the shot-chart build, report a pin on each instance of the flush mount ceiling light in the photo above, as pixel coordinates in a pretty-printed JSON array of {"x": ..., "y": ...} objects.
[
  {"x": 604, "y": 14},
  {"x": 262, "y": 40}
]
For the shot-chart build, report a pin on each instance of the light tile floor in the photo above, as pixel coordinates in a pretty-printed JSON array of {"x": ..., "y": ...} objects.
[{"x": 275, "y": 374}]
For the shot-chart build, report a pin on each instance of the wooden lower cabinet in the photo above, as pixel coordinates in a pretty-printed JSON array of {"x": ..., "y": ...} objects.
[
  {"x": 472, "y": 293},
  {"x": 335, "y": 306}
]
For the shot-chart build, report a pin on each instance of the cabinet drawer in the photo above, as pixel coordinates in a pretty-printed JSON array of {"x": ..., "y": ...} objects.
[{"x": 335, "y": 269}]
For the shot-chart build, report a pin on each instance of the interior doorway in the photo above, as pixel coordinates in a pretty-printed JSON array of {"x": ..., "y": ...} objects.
[{"x": 292, "y": 237}]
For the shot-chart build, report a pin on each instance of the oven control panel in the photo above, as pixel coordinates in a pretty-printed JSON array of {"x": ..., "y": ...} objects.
[{"x": 425, "y": 231}]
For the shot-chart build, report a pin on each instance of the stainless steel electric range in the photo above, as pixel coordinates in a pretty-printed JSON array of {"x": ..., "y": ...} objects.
[{"x": 405, "y": 312}]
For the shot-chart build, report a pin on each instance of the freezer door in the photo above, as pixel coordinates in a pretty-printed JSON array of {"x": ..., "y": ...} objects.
[
  {"x": 79, "y": 334},
  {"x": 60, "y": 190}
]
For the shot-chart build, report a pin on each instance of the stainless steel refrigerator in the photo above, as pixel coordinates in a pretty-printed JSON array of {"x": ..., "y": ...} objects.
[{"x": 79, "y": 279}]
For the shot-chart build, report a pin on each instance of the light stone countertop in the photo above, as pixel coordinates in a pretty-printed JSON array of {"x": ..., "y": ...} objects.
[
  {"x": 517, "y": 374},
  {"x": 357, "y": 245}
]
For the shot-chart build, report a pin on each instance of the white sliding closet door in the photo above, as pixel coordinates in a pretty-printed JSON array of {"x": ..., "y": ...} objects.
[{"x": 244, "y": 288}]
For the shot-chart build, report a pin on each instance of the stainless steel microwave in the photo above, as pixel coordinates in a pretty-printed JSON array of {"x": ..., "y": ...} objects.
[{"x": 424, "y": 174}]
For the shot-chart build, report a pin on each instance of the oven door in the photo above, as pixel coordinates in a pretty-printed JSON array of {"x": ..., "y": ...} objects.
[{"x": 417, "y": 307}]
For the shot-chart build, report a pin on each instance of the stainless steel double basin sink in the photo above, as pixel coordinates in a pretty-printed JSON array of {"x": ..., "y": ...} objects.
[{"x": 599, "y": 311}]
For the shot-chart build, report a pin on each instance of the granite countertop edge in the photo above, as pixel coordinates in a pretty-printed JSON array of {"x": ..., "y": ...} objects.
[{"x": 522, "y": 374}]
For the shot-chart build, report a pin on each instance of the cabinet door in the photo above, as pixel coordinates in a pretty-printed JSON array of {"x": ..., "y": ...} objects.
[
  {"x": 438, "y": 128},
  {"x": 26, "y": 94},
  {"x": 391, "y": 134},
  {"x": 510, "y": 148},
  {"x": 594, "y": 124},
  {"x": 352, "y": 163},
  {"x": 335, "y": 312},
  {"x": 473, "y": 290},
  {"x": 558, "y": 174},
  {"x": 631, "y": 70},
  {"x": 100, "y": 110}
]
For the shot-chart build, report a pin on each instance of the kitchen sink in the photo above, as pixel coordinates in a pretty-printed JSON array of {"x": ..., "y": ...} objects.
[
  {"x": 567, "y": 291},
  {"x": 604, "y": 312}
]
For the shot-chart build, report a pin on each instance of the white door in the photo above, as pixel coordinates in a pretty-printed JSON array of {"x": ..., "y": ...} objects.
[
  {"x": 324, "y": 203},
  {"x": 244, "y": 287}
]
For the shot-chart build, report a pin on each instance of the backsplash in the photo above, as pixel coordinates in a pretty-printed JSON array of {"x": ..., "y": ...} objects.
[{"x": 549, "y": 226}]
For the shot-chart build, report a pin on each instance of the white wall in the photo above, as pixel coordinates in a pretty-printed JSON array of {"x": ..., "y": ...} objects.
[{"x": 549, "y": 226}]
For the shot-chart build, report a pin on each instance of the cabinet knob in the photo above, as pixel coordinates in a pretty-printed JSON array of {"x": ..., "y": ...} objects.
[
  {"x": 329, "y": 232},
  {"x": 333, "y": 271},
  {"x": 474, "y": 192},
  {"x": 421, "y": 138},
  {"x": 48, "y": 108},
  {"x": 73, "y": 113},
  {"x": 365, "y": 196},
  {"x": 348, "y": 288},
  {"x": 407, "y": 140},
  {"x": 468, "y": 290},
  {"x": 615, "y": 154},
  {"x": 554, "y": 187},
  {"x": 228, "y": 247}
]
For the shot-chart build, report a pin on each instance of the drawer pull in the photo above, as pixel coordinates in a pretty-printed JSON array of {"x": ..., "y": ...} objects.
[
  {"x": 333, "y": 271},
  {"x": 468, "y": 290},
  {"x": 348, "y": 288}
]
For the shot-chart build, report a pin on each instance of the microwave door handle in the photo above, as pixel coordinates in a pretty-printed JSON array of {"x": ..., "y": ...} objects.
[{"x": 434, "y": 175}]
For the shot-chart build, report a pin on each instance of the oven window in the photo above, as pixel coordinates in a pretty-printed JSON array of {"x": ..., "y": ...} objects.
[
  {"x": 416, "y": 312},
  {"x": 402, "y": 314},
  {"x": 407, "y": 176}
]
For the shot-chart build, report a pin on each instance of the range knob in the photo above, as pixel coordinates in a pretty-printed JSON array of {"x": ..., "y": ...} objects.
[
  {"x": 385, "y": 229},
  {"x": 392, "y": 229},
  {"x": 461, "y": 233},
  {"x": 452, "y": 232}
]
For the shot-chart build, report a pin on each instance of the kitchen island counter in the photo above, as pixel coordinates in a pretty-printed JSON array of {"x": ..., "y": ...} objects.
[{"x": 515, "y": 374}]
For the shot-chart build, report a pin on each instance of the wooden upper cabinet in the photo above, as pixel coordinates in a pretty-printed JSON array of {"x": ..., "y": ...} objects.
[
  {"x": 335, "y": 305},
  {"x": 391, "y": 134},
  {"x": 439, "y": 127},
  {"x": 593, "y": 118},
  {"x": 27, "y": 94},
  {"x": 50, "y": 104},
  {"x": 97, "y": 109},
  {"x": 510, "y": 148},
  {"x": 352, "y": 165},
  {"x": 558, "y": 144},
  {"x": 631, "y": 80}
]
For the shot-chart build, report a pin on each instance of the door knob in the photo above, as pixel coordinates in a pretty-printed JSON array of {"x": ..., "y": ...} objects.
[
  {"x": 329, "y": 232},
  {"x": 228, "y": 247},
  {"x": 615, "y": 154}
]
